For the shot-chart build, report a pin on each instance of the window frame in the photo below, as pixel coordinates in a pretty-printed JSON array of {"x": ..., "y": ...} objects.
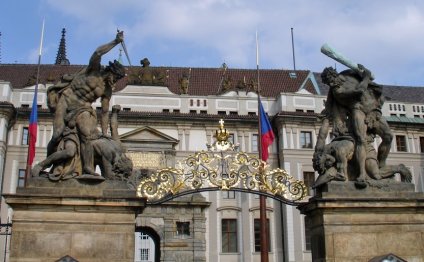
[
  {"x": 144, "y": 256},
  {"x": 25, "y": 136},
  {"x": 228, "y": 194},
  {"x": 21, "y": 178},
  {"x": 254, "y": 143},
  {"x": 303, "y": 137},
  {"x": 230, "y": 235},
  {"x": 182, "y": 228},
  {"x": 257, "y": 235},
  {"x": 401, "y": 143}
]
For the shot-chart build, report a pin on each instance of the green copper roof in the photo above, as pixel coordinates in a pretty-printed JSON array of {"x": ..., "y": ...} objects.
[{"x": 404, "y": 119}]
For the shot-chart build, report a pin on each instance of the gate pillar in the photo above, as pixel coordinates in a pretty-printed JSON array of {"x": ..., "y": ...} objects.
[
  {"x": 348, "y": 224},
  {"x": 88, "y": 222}
]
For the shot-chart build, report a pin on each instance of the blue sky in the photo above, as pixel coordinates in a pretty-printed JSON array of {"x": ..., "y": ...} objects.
[{"x": 386, "y": 36}]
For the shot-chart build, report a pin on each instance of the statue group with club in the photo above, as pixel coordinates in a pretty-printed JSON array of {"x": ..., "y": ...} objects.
[
  {"x": 353, "y": 107},
  {"x": 77, "y": 146}
]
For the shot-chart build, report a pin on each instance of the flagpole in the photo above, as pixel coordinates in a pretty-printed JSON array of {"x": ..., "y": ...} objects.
[
  {"x": 262, "y": 199},
  {"x": 31, "y": 142}
]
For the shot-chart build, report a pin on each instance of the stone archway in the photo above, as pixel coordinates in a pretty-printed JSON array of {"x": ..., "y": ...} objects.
[{"x": 147, "y": 244}]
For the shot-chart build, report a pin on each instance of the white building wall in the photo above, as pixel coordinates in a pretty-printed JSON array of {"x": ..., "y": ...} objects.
[{"x": 193, "y": 138}]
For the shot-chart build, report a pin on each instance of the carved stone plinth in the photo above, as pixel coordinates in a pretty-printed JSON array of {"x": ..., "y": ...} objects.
[
  {"x": 348, "y": 224},
  {"x": 52, "y": 221}
]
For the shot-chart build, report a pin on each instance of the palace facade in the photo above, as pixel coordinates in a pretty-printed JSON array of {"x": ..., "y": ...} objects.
[{"x": 169, "y": 113}]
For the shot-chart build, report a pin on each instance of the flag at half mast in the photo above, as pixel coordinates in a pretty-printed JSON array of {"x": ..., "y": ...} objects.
[
  {"x": 33, "y": 124},
  {"x": 267, "y": 135},
  {"x": 33, "y": 119}
]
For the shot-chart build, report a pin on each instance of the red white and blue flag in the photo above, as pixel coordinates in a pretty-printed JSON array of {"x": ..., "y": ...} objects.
[
  {"x": 267, "y": 135},
  {"x": 33, "y": 119},
  {"x": 33, "y": 124}
]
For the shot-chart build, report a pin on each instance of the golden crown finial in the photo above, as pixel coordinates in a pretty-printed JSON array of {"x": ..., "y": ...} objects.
[{"x": 222, "y": 134}]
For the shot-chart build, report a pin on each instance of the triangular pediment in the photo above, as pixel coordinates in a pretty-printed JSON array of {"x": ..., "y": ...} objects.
[
  {"x": 303, "y": 92},
  {"x": 67, "y": 259},
  {"x": 147, "y": 134}
]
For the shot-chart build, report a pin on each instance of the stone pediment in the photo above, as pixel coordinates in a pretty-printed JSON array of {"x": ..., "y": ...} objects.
[
  {"x": 67, "y": 259},
  {"x": 148, "y": 135},
  {"x": 389, "y": 257},
  {"x": 303, "y": 92}
]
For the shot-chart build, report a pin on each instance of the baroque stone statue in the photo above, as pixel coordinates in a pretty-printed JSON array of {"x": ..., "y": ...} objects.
[
  {"x": 77, "y": 145},
  {"x": 147, "y": 76},
  {"x": 353, "y": 106},
  {"x": 184, "y": 82}
]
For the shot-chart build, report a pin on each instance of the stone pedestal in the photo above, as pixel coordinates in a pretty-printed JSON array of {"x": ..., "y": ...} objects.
[
  {"x": 88, "y": 222},
  {"x": 349, "y": 224}
]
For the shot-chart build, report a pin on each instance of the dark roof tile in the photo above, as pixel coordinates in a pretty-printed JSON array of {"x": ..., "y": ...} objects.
[{"x": 203, "y": 81}]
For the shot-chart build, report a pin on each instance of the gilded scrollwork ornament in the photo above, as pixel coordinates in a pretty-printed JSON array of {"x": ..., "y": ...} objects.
[{"x": 221, "y": 168}]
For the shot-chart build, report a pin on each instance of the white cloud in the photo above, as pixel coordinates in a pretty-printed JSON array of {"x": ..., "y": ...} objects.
[{"x": 384, "y": 35}]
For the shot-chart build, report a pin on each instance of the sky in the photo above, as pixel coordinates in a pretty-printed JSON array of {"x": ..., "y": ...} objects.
[{"x": 386, "y": 36}]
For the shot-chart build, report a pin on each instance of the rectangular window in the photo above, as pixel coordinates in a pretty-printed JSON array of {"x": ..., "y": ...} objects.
[
  {"x": 401, "y": 143},
  {"x": 203, "y": 112},
  {"x": 176, "y": 110},
  {"x": 305, "y": 139},
  {"x": 229, "y": 235},
  {"x": 222, "y": 112},
  {"x": 309, "y": 179},
  {"x": 251, "y": 113},
  {"x": 299, "y": 110},
  {"x": 231, "y": 139},
  {"x": 21, "y": 177},
  {"x": 25, "y": 136},
  {"x": 165, "y": 110},
  {"x": 144, "y": 254},
  {"x": 193, "y": 112},
  {"x": 254, "y": 143},
  {"x": 308, "y": 226},
  {"x": 228, "y": 194},
  {"x": 257, "y": 233},
  {"x": 183, "y": 228},
  {"x": 126, "y": 109},
  {"x": 422, "y": 144}
]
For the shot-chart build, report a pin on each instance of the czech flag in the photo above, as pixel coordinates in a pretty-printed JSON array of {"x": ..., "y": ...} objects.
[
  {"x": 267, "y": 135},
  {"x": 33, "y": 123}
]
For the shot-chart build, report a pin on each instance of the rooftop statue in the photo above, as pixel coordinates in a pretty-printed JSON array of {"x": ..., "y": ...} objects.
[
  {"x": 147, "y": 76},
  {"x": 353, "y": 105},
  {"x": 77, "y": 145}
]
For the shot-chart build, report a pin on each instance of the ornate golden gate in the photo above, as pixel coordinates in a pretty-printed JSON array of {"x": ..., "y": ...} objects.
[{"x": 222, "y": 167}]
